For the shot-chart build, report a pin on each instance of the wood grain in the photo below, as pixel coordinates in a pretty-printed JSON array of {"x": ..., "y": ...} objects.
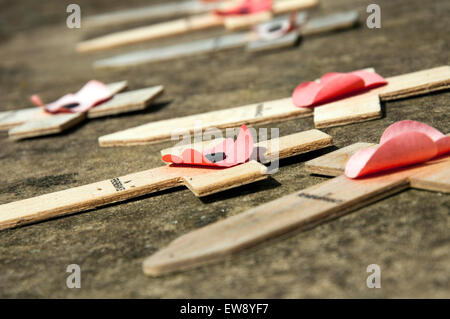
[
  {"x": 351, "y": 110},
  {"x": 435, "y": 178},
  {"x": 202, "y": 181},
  {"x": 268, "y": 150},
  {"x": 220, "y": 180},
  {"x": 314, "y": 26},
  {"x": 176, "y": 51},
  {"x": 127, "y": 102},
  {"x": 360, "y": 108},
  {"x": 42, "y": 123},
  {"x": 183, "y": 25},
  {"x": 249, "y": 114},
  {"x": 333, "y": 164},
  {"x": 416, "y": 83},
  {"x": 46, "y": 125},
  {"x": 118, "y": 189},
  {"x": 151, "y": 32},
  {"x": 298, "y": 211},
  {"x": 14, "y": 118}
]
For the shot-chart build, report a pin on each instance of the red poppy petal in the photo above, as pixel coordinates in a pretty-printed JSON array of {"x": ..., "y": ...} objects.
[
  {"x": 371, "y": 79},
  {"x": 225, "y": 154},
  {"x": 36, "y": 100},
  {"x": 304, "y": 95},
  {"x": 443, "y": 145},
  {"x": 194, "y": 157},
  {"x": 339, "y": 86},
  {"x": 170, "y": 158},
  {"x": 247, "y": 7},
  {"x": 404, "y": 149},
  {"x": 410, "y": 126},
  {"x": 333, "y": 86},
  {"x": 236, "y": 152},
  {"x": 90, "y": 95}
]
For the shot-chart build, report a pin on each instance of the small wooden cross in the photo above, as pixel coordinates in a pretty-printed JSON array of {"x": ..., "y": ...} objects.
[
  {"x": 34, "y": 122},
  {"x": 358, "y": 108},
  {"x": 315, "y": 26},
  {"x": 193, "y": 23},
  {"x": 202, "y": 181},
  {"x": 300, "y": 210},
  {"x": 162, "y": 10}
]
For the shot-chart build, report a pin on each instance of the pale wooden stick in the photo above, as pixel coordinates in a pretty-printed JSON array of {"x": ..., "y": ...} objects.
[
  {"x": 184, "y": 25},
  {"x": 360, "y": 108},
  {"x": 351, "y": 110},
  {"x": 202, "y": 181},
  {"x": 250, "y": 114},
  {"x": 228, "y": 41},
  {"x": 314, "y": 26},
  {"x": 282, "y": 147},
  {"x": 126, "y": 102},
  {"x": 42, "y": 124},
  {"x": 298, "y": 211},
  {"x": 46, "y": 125},
  {"x": 14, "y": 118},
  {"x": 333, "y": 164},
  {"x": 162, "y": 10}
]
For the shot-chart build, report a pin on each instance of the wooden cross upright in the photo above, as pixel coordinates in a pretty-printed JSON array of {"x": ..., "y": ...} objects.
[
  {"x": 193, "y": 23},
  {"x": 358, "y": 108},
  {"x": 315, "y": 26},
  {"x": 34, "y": 122},
  {"x": 162, "y": 10},
  {"x": 202, "y": 181},
  {"x": 297, "y": 211}
]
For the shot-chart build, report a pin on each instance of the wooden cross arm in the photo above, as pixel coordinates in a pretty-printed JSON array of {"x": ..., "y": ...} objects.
[
  {"x": 202, "y": 181},
  {"x": 298, "y": 211},
  {"x": 14, "y": 118},
  {"x": 162, "y": 10},
  {"x": 188, "y": 24},
  {"x": 358, "y": 108},
  {"x": 39, "y": 123},
  {"x": 270, "y": 150},
  {"x": 333, "y": 164},
  {"x": 367, "y": 106}
]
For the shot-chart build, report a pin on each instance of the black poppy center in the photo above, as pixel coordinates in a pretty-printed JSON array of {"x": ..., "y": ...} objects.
[
  {"x": 216, "y": 157},
  {"x": 274, "y": 28},
  {"x": 71, "y": 106}
]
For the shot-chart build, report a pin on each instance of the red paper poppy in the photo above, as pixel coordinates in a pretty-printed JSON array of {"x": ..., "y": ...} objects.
[
  {"x": 334, "y": 86},
  {"x": 403, "y": 143},
  {"x": 247, "y": 7},
  {"x": 225, "y": 154},
  {"x": 90, "y": 95}
]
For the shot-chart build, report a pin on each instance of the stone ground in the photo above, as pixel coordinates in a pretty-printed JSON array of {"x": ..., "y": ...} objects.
[{"x": 406, "y": 234}]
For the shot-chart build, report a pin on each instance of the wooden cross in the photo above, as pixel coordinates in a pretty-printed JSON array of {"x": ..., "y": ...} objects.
[
  {"x": 300, "y": 210},
  {"x": 192, "y": 23},
  {"x": 328, "y": 23},
  {"x": 162, "y": 10},
  {"x": 202, "y": 181},
  {"x": 34, "y": 122},
  {"x": 358, "y": 108}
]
